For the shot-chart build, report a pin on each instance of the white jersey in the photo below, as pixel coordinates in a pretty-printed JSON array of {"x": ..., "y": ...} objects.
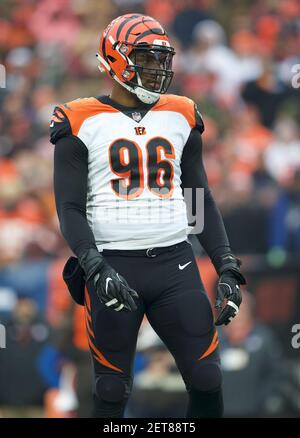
[{"x": 134, "y": 198}]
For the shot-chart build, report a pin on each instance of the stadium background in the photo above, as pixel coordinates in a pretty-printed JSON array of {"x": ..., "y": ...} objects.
[{"x": 236, "y": 60}]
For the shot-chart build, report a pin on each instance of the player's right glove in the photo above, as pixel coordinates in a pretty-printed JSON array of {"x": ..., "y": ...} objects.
[{"x": 111, "y": 288}]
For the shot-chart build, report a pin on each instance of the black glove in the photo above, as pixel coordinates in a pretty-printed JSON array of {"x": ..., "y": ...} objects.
[
  {"x": 111, "y": 288},
  {"x": 228, "y": 267}
]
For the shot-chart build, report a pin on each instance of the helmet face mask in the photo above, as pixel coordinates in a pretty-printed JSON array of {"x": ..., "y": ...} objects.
[
  {"x": 152, "y": 66},
  {"x": 135, "y": 51}
]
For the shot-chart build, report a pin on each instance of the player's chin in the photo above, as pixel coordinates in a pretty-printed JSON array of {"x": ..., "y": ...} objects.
[
  {"x": 151, "y": 88},
  {"x": 151, "y": 85}
]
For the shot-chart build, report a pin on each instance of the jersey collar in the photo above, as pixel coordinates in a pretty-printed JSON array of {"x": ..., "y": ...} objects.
[{"x": 135, "y": 113}]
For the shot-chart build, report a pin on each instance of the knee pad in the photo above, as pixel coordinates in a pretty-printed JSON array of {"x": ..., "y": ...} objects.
[
  {"x": 206, "y": 376},
  {"x": 112, "y": 389}
]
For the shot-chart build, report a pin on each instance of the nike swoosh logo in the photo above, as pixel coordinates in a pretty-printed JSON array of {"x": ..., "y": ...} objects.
[
  {"x": 181, "y": 267},
  {"x": 107, "y": 282}
]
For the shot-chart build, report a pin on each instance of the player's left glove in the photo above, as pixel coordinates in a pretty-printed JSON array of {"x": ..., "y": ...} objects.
[{"x": 229, "y": 295}]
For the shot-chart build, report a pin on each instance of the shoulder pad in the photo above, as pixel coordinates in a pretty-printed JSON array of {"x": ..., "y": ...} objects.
[
  {"x": 184, "y": 106},
  {"x": 68, "y": 118}
]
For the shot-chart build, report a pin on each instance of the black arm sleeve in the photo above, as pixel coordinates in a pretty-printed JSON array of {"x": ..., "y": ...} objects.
[
  {"x": 70, "y": 188},
  {"x": 213, "y": 238}
]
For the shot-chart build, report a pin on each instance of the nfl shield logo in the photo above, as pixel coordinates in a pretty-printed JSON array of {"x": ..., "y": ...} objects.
[{"x": 137, "y": 116}]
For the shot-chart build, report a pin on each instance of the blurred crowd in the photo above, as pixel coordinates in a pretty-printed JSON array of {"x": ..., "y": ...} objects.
[{"x": 238, "y": 60}]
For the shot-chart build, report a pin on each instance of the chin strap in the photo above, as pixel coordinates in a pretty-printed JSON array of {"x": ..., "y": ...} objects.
[{"x": 146, "y": 96}]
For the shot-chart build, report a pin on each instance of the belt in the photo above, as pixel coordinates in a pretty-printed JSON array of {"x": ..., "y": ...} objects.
[{"x": 148, "y": 252}]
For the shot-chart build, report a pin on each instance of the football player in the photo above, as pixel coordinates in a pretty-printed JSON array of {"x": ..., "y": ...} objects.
[{"x": 121, "y": 165}]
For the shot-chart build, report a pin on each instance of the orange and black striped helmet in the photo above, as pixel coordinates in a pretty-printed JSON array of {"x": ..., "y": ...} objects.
[{"x": 136, "y": 52}]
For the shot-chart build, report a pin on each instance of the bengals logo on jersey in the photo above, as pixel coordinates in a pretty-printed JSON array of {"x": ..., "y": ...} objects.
[
  {"x": 59, "y": 124},
  {"x": 140, "y": 130}
]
